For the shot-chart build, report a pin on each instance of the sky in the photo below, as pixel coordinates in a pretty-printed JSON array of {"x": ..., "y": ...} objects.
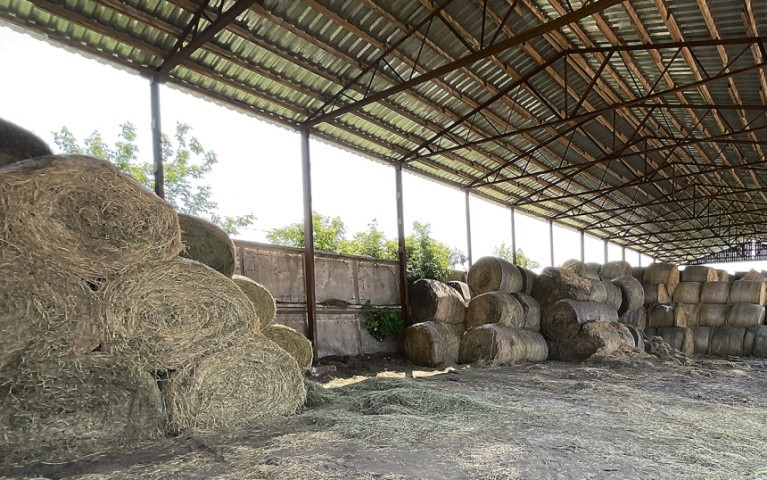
[{"x": 46, "y": 87}]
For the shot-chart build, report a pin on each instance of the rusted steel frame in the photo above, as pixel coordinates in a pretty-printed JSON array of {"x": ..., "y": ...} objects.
[
  {"x": 154, "y": 100},
  {"x": 309, "y": 281},
  {"x": 668, "y": 45},
  {"x": 551, "y": 242},
  {"x": 660, "y": 220},
  {"x": 191, "y": 28},
  {"x": 503, "y": 22},
  {"x": 675, "y": 231},
  {"x": 401, "y": 250},
  {"x": 513, "y": 237},
  {"x": 592, "y": 8},
  {"x": 682, "y": 244},
  {"x": 468, "y": 227},
  {"x": 590, "y": 85}
]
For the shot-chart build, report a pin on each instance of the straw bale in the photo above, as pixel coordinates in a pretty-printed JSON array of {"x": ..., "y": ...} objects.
[
  {"x": 701, "y": 336},
  {"x": 85, "y": 216},
  {"x": 753, "y": 276},
  {"x": 207, "y": 243},
  {"x": 715, "y": 292},
  {"x": 432, "y": 300},
  {"x": 495, "y": 307},
  {"x": 462, "y": 288},
  {"x": 296, "y": 344},
  {"x": 432, "y": 344},
  {"x": 698, "y": 273},
  {"x": 745, "y": 315},
  {"x": 638, "y": 273},
  {"x": 556, "y": 284},
  {"x": 17, "y": 144},
  {"x": 61, "y": 409},
  {"x": 532, "y": 311},
  {"x": 247, "y": 382},
  {"x": 655, "y": 293},
  {"x": 666, "y": 315},
  {"x": 693, "y": 312},
  {"x": 723, "y": 276},
  {"x": 493, "y": 274},
  {"x": 614, "y": 295},
  {"x": 636, "y": 317},
  {"x": 260, "y": 297},
  {"x": 638, "y": 334},
  {"x": 749, "y": 338},
  {"x": 687, "y": 292},
  {"x": 593, "y": 337},
  {"x": 43, "y": 311},
  {"x": 759, "y": 348},
  {"x": 528, "y": 280},
  {"x": 681, "y": 338},
  {"x": 748, "y": 291},
  {"x": 632, "y": 293},
  {"x": 502, "y": 345},
  {"x": 712, "y": 315},
  {"x": 665, "y": 273},
  {"x": 168, "y": 314},
  {"x": 727, "y": 341},
  {"x": 614, "y": 269},
  {"x": 583, "y": 270},
  {"x": 565, "y": 318}
]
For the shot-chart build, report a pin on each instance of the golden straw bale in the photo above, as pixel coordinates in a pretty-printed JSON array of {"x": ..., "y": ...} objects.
[
  {"x": 260, "y": 297},
  {"x": 296, "y": 344},
  {"x": 207, "y": 243}
]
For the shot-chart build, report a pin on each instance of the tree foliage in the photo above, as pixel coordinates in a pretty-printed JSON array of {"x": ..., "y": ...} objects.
[
  {"x": 505, "y": 252},
  {"x": 185, "y": 164},
  {"x": 329, "y": 234}
]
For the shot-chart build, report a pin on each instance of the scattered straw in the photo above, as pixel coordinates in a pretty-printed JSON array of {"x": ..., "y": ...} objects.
[
  {"x": 262, "y": 299},
  {"x": 207, "y": 243},
  {"x": 296, "y": 344}
]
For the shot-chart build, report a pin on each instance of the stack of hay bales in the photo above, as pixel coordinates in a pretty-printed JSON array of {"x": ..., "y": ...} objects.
[
  {"x": 670, "y": 305},
  {"x": 96, "y": 304}
]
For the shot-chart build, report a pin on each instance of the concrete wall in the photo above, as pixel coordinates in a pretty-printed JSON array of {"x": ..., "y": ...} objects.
[{"x": 340, "y": 329}]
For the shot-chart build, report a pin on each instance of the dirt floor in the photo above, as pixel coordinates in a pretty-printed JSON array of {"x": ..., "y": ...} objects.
[{"x": 376, "y": 418}]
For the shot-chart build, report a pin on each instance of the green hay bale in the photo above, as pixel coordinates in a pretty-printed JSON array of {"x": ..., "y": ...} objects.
[
  {"x": 260, "y": 297},
  {"x": 252, "y": 381},
  {"x": 168, "y": 314},
  {"x": 432, "y": 344},
  {"x": 297, "y": 345},
  {"x": 18, "y": 144},
  {"x": 85, "y": 216},
  {"x": 207, "y": 243},
  {"x": 62, "y": 409}
]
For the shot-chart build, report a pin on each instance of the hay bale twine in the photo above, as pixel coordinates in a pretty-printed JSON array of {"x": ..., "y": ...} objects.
[
  {"x": 493, "y": 274},
  {"x": 698, "y": 273},
  {"x": 85, "y": 216},
  {"x": 748, "y": 291},
  {"x": 745, "y": 315},
  {"x": 638, "y": 273},
  {"x": 432, "y": 344},
  {"x": 723, "y": 276},
  {"x": 462, "y": 288},
  {"x": 44, "y": 311},
  {"x": 556, "y": 284},
  {"x": 614, "y": 269},
  {"x": 700, "y": 337},
  {"x": 432, "y": 300},
  {"x": 665, "y": 273},
  {"x": 693, "y": 312},
  {"x": 495, "y": 307},
  {"x": 249, "y": 381},
  {"x": 666, "y": 315},
  {"x": 168, "y": 314},
  {"x": 592, "y": 337},
  {"x": 583, "y": 270},
  {"x": 61, "y": 409},
  {"x": 727, "y": 341},
  {"x": 614, "y": 295},
  {"x": 655, "y": 293},
  {"x": 18, "y": 144},
  {"x": 636, "y": 317},
  {"x": 680, "y": 338},
  {"x": 712, "y": 315},
  {"x": 502, "y": 345},
  {"x": 296, "y": 344},
  {"x": 759, "y": 348},
  {"x": 531, "y": 310},
  {"x": 207, "y": 243},
  {"x": 261, "y": 298},
  {"x": 565, "y": 318},
  {"x": 687, "y": 292},
  {"x": 528, "y": 280},
  {"x": 715, "y": 292},
  {"x": 632, "y": 293}
]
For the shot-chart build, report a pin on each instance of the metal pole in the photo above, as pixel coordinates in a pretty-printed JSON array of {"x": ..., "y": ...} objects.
[
  {"x": 311, "y": 310},
  {"x": 401, "y": 253},
  {"x": 640, "y": 259},
  {"x": 623, "y": 254},
  {"x": 551, "y": 241},
  {"x": 468, "y": 228},
  {"x": 583, "y": 246},
  {"x": 513, "y": 238},
  {"x": 159, "y": 178},
  {"x": 605, "y": 250}
]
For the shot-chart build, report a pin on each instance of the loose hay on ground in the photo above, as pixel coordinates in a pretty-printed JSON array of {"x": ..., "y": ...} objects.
[
  {"x": 297, "y": 345},
  {"x": 261, "y": 298},
  {"x": 207, "y": 243}
]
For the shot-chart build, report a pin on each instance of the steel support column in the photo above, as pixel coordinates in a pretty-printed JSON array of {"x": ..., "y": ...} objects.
[
  {"x": 401, "y": 253},
  {"x": 551, "y": 241},
  {"x": 623, "y": 254},
  {"x": 468, "y": 228},
  {"x": 513, "y": 238},
  {"x": 606, "y": 260},
  {"x": 583, "y": 246},
  {"x": 311, "y": 306},
  {"x": 159, "y": 177}
]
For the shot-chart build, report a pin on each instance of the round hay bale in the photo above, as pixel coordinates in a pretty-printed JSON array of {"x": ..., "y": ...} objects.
[
  {"x": 432, "y": 300},
  {"x": 528, "y": 280},
  {"x": 712, "y": 315},
  {"x": 495, "y": 307},
  {"x": 260, "y": 297},
  {"x": 747, "y": 291},
  {"x": 531, "y": 311},
  {"x": 207, "y": 243},
  {"x": 701, "y": 336},
  {"x": 638, "y": 334},
  {"x": 17, "y": 144},
  {"x": 748, "y": 340},
  {"x": 168, "y": 314},
  {"x": 715, "y": 292},
  {"x": 723, "y": 276},
  {"x": 614, "y": 295},
  {"x": 64, "y": 408},
  {"x": 681, "y": 338},
  {"x": 592, "y": 337},
  {"x": 614, "y": 269},
  {"x": 493, "y": 274},
  {"x": 745, "y": 315},
  {"x": 759, "y": 348},
  {"x": 636, "y": 317},
  {"x": 698, "y": 273},
  {"x": 556, "y": 284},
  {"x": 252, "y": 380},
  {"x": 502, "y": 345},
  {"x": 85, "y": 216},
  {"x": 565, "y": 318},
  {"x": 693, "y": 311},
  {"x": 655, "y": 293},
  {"x": 753, "y": 276},
  {"x": 632, "y": 293},
  {"x": 296, "y": 344},
  {"x": 665, "y": 273},
  {"x": 583, "y": 270},
  {"x": 638, "y": 273},
  {"x": 727, "y": 341},
  {"x": 666, "y": 315},
  {"x": 432, "y": 344},
  {"x": 687, "y": 292},
  {"x": 462, "y": 288}
]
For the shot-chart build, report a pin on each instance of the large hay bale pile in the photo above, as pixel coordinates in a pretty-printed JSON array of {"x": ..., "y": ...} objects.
[
  {"x": 432, "y": 300},
  {"x": 699, "y": 273},
  {"x": 493, "y": 274},
  {"x": 748, "y": 291},
  {"x": 632, "y": 293},
  {"x": 614, "y": 269},
  {"x": 18, "y": 144},
  {"x": 495, "y": 307},
  {"x": 555, "y": 284},
  {"x": 261, "y": 298},
  {"x": 667, "y": 315},
  {"x": 501, "y": 344},
  {"x": 665, "y": 273},
  {"x": 433, "y": 344},
  {"x": 207, "y": 243},
  {"x": 296, "y": 344},
  {"x": 582, "y": 269},
  {"x": 64, "y": 408},
  {"x": 564, "y": 319},
  {"x": 655, "y": 293}
]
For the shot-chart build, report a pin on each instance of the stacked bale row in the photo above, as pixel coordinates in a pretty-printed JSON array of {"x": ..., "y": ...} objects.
[
  {"x": 669, "y": 304},
  {"x": 96, "y": 306}
]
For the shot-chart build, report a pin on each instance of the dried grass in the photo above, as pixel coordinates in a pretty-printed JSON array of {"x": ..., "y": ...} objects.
[
  {"x": 207, "y": 243},
  {"x": 17, "y": 144},
  {"x": 261, "y": 298},
  {"x": 493, "y": 274},
  {"x": 432, "y": 300},
  {"x": 296, "y": 344},
  {"x": 432, "y": 344}
]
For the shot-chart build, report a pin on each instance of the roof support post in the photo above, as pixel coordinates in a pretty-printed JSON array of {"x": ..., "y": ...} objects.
[
  {"x": 311, "y": 305},
  {"x": 605, "y": 241},
  {"x": 583, "y": 246},
  {"x": 513, "y": 238},
  {"x": 401, "y": 252},
  {"x": 468, "y": 228},
  {"x": 551, "y": 241},
  {"x": 623, "y": 254},
  {"x": 154, "y": 99}
]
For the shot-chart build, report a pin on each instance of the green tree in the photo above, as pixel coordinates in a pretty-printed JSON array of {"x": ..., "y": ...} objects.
[
  {"x": 370, "y": 243},
  {"x": 185, "y": 165},
  {"x": 426, "y": 256},
  {"x": 505, "y": 252},
  {"x": 329, "y": 234}
]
